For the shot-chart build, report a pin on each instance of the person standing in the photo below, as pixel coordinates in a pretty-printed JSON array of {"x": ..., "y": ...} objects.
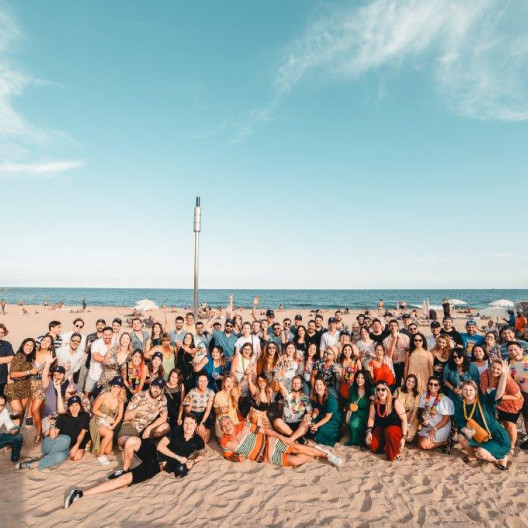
[
  {"x": 6, "y": 356},
  {"x": 99, "y": 350}
]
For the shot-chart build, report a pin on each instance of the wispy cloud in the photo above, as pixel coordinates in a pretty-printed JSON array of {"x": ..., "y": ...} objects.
[
  {"x": 37, "y": 170},
  {"x": 474, "y": 51},
  {"x": 477, "y": 58},
  {"x": 19, "y": 138}
]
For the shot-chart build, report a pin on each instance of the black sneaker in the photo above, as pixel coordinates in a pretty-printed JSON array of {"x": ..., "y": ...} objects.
[
  {"x": 117, "y": 473},
  {"x": 524, "y": 445},
  {"x": 74, "y": 495}
]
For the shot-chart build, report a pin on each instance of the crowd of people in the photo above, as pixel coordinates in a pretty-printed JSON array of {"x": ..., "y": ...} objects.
[{"x": 277, "y": 392}]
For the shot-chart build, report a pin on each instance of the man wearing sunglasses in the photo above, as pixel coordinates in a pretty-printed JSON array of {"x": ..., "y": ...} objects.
[
  {"x": 226, "y": 339},
  {"x": 71, "y": 355}
]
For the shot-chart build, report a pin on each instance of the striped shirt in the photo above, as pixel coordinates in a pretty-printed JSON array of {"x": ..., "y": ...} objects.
[{"x": 248, "y": 442}]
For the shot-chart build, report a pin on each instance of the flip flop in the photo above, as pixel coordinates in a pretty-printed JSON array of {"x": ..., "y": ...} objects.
[
  {"x": 468, "y": 460},
  {"x": 503, "y": 467}
]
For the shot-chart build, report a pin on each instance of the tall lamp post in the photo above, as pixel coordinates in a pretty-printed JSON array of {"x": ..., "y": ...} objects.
[{"x": 197, "y": 229}]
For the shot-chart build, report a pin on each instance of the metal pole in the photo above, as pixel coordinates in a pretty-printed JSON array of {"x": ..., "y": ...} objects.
[{"x": 197, "y": 229}]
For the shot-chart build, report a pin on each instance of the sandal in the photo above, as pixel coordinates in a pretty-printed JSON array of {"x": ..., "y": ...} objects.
[
  {"x": 468, "y": 460},
  {"x": 503, "y": 467},
  {"x": 38, "y": 439},
  {"x": 449, "y": 447}
]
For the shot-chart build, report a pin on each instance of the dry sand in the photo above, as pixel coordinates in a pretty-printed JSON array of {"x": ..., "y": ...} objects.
[{"x": 425, "y": 489}]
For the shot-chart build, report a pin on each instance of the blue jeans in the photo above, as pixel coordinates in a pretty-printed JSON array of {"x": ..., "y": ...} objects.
[
  {"x": 14, "y": 440},
  {"x": 55, "y": 451}
]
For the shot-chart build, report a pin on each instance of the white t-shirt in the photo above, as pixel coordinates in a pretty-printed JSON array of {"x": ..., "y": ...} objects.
[
  {"x": 96, "y": 367},
  {"x": 64, "y": 356},
  {"x": 253, "y": 339},
  {"x": 327, "y": 339}
]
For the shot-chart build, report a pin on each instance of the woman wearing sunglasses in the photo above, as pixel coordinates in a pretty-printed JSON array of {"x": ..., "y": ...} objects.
[
  {"x": 419, "y": 361},
  {"x": 435, "y": 411},
  {"x": 387, "y": 424},
  {"x": 458, "y": 370},
  {"x": 482, "y": 436}
]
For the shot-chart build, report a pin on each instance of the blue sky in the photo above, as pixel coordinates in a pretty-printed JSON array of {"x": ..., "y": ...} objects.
[{"x": 375, "y": 144}]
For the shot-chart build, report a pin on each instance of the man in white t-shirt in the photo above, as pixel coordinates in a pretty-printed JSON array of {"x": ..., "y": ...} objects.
[
  {"x": 99, "y": 349},
  {"x": 71, "y": 355},
  {"x": 331, "y": 337},
  {"x": 248, "y": 337}
]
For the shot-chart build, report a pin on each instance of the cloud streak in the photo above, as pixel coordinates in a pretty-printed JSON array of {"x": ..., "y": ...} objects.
[
  {"x": 473, "y": 51},
  {"x": 478, "y": 59},
  {"x": 19, "y": 138},
  {"x": 44, "y": 169}
]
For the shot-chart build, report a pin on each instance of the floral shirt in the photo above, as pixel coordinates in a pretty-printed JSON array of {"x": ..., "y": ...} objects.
[
  {"x": 148, "y": 409},
  {"x": 296, "y": 408},
  {"x": 519, "y": 372},
  {"x": 200, "y": 400},
  {"x": 327, "y": 374}
]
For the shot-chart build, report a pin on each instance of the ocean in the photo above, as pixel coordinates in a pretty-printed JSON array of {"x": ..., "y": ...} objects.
[{"x": 290, "y": 299}]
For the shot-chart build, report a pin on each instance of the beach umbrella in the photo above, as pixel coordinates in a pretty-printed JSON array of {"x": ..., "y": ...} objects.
[
  {"x": 502, "y": 303},
  {"x": 456, "y": 302},
  {"x": 145, "y": 304},
  {"x": 494, "y": 311}
]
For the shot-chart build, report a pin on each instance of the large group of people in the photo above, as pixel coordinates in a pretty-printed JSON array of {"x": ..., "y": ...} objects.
[{"x": 268, "y": 391}]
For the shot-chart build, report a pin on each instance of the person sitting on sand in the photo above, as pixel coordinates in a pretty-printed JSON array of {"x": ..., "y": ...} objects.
[
  {"x": 483, "y": 437},
  {"x": 146, "y": 414},
  {"x": 249, "y": 441},
  {"x": 387, "y": 424},
  {"x": 296, "y": 412},
  {"x": 435, "y": 411},
  {"x": 67, "y": 437},
  {"x": 177, "y": 453},
  {"x": 11, "y": 437}
]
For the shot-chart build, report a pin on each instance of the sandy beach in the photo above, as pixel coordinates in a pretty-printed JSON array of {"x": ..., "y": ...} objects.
[{"x": 425, "y": 489}]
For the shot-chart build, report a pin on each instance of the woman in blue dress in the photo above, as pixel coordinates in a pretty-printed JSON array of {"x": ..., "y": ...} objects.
[
  {"x": 326, "y": 416},
  {"x": 480, "y": 410},
  {"x": 458, "y": 370}
]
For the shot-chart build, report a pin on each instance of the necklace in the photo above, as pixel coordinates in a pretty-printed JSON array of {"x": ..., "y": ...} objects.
[
  {"x": 379, "y": 412},
  {"x": 431, "y": 410}
]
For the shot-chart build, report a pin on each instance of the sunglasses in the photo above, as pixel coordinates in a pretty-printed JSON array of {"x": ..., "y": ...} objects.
[
  {"x": 75, "y": 340},
  {"x": 229, "y": 326},
  {"x": 381, "y": 390},
  {"x": 434, "y": 384},
  {"x": 418, "y": 340},
  {"x": 79, "y": 326},
  {"x": 455, "y": 356}
]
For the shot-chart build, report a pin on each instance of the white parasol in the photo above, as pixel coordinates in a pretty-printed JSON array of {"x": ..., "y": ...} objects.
[
  {"x": 502, "y": 303},
  {"x": 145, "y": 305},
  {"x": 456, "y": 302}
]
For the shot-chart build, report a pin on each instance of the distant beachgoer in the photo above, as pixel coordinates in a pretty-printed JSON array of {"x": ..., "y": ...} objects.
[
  {"x": 3, "y": 304},
  {"x": 84, "y": 305},
  {"x": 381, "y": 304}
]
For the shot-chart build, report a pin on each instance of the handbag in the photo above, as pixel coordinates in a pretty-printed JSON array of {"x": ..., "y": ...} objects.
[{"x": 482, "y": 434}]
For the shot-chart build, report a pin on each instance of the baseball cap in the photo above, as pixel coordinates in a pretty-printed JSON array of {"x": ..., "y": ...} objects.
[
  {"x": 406, "y": 316},
  {"x": 230, "y": 321},
  {"x": 158, "y": 355},
  {"x": 435, "y": 324},
  {"x": 298, "y": 317},
  {"x": 471, "y": 322},
  {"x": 59, "y": 369},
  {"x": 117, "y": 380},
  {"x": 100, "y": 321},
  {"x": 332, "y": 320},
  {"x": 270, "y": 313},
  {"x": 158, "y": 382},
  {"x": 344, "y": 332},
  {"x": 74, "y": 399}
]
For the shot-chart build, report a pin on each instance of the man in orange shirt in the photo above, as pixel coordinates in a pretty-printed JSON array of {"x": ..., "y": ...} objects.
[{"x": 249, "y": 441}]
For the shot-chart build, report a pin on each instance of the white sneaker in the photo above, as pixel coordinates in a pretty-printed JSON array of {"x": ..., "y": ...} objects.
[
  {"x": 103, "y": 460},
  {"x": 334, "y": 459}
]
